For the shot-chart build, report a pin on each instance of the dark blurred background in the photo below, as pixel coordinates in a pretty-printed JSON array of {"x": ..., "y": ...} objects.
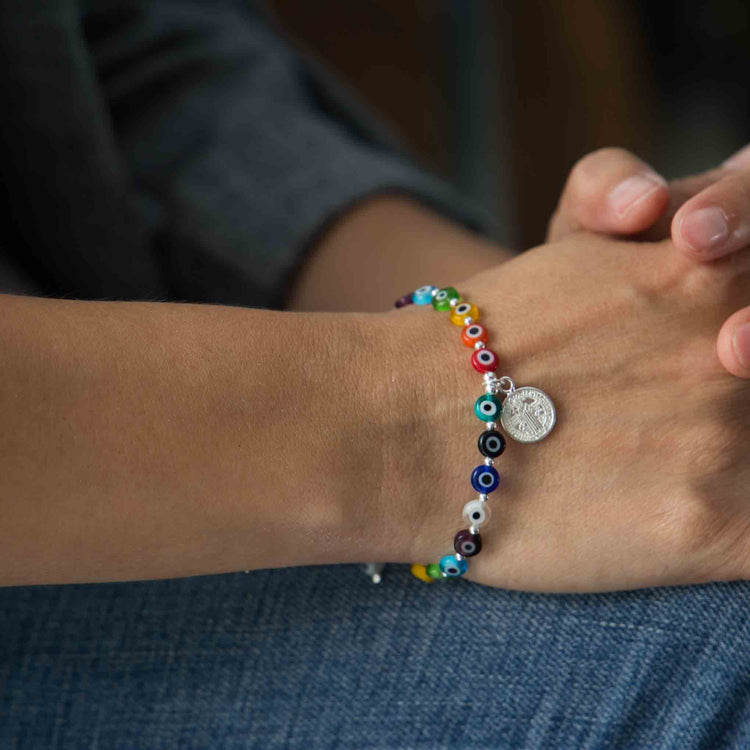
[{"x": 503, "y": 96}]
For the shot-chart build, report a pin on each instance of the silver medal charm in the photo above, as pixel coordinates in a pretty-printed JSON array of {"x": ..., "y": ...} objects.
[{"x": 528, "y": 414}]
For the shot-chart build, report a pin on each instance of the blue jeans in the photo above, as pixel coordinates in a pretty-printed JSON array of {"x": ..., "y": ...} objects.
[{"x": 322, "y": 658}]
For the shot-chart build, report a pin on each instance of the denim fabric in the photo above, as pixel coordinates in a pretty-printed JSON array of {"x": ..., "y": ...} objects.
[{"x": 322, "y": 658}]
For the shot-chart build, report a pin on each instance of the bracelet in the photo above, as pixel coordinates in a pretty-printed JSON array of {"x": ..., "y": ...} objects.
[{"x": 526, "y": 414}]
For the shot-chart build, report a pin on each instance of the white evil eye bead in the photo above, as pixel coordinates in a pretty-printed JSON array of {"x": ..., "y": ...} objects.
[
  {"x": 423, "y": 295},
  {"x": 453, "y": 567},
  {"x": 485, "y": 479},
  {"x": 488, "y": 408},
  {"x": 462, "y": 311},
  {"x": 476, "y": 513}
]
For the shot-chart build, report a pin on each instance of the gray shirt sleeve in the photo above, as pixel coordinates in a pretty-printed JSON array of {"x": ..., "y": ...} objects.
[{"x": 242, "y": 152}]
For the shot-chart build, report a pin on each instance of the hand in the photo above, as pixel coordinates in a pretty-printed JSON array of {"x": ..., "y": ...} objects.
[
  {"x": 643, "y": 481},
  {"x": 708, "y": 217}
]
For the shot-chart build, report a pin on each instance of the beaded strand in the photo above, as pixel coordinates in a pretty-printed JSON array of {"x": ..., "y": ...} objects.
[{"x": 488, "y": 408}]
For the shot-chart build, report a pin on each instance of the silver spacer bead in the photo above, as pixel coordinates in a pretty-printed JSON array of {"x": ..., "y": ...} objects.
[
  {"x": 483, "y": 498},
  {"x": 473, "y": 529},
  {"x": 491, "y": 425},
  {"x": 488, "y": 461},
  {"x": 468, "y": 320},
  {"x": 459, "y": 556},
  {"x": 454, "y": 302},
  {"x": 479, "y": 345},
  {"x": 434, "y": 291}
]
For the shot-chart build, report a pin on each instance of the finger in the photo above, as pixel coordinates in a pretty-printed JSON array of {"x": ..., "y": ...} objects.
[
  {"x": 716, "y": 222},
  {"x": 733, "y": 344},
  {"x": 611, "y": 191}
]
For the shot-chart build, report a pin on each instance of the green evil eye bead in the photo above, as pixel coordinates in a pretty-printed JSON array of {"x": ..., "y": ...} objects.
[
  {"x": 453, "y": 567},
  {"x": 488, "y": 408},
  {"x": 442, "y": 300},
  {"x": 433, "y": 570}
]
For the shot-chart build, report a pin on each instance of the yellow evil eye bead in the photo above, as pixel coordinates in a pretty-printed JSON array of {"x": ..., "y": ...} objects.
[
  {"x": 463, "y": 310},
  {"x": 420, "y": 571},
  {"x": 442, "y": 300}
]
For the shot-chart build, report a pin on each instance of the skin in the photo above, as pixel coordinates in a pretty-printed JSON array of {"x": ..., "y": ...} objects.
[
  {"x": 643, "y": 481},
  {"x": 685, "y": 210},
  {"x": 150, "y": 470},
  {"x": 155, "y": 436}
]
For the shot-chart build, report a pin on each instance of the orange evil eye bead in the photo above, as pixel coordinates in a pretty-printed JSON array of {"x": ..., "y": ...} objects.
[
  {"x": 473, "y": 334},
  {"x": 463, "y": 310},
  {"x": 484, "y": 360}
]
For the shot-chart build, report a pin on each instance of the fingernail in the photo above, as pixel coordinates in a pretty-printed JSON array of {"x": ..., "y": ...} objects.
[
  {"x": 741, "y": 343},
  {"x": 632, "y": 191},
  {"x": 705, "y": 229},
  {"x": 739, "y": 160}
]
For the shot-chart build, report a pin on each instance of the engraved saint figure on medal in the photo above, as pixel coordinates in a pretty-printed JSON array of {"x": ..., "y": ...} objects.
[{"x": 528, "y": 415}]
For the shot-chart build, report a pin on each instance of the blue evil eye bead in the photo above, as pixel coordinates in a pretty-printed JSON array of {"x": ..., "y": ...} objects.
[
  {"x": 442, "y": 300},
  {"x": 484, "y": 479},
  {"x": 491, "y": 443},
  {"x": 476, "y": 513},
  {"x": 423, "y": 295},
  {"x": 453, "y": 567},
  {"x": 488, "y": 408},
  {"x": 467, "y": 544}
]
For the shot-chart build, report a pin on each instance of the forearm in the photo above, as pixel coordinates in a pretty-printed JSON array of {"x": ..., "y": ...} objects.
[
  {"x": 157, "y": 440},
  {"x": 383, "y": 248}
]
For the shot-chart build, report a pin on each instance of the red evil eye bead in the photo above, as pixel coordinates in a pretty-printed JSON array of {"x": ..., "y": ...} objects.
[
  {"x": 461, "y": 311},
  {"x": 467, "y": 544},
  {"x": 474, "y": 333},
  {"x": 484, "y": 360}
]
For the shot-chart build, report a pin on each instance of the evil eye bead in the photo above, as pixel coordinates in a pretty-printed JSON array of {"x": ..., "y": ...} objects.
[
  {"x": 491, "y": 443},
  {"x": 407, "y": 299},
  {"x": 442, "y": 300},
  {"x": 488, "y": 408},
  {"x": 451, "y": 566},
  {"x": 476, "y": 513},
  {"x": 461, "y": 310},
  {"x": 484, "y": 479},
  {"x": 433, "y": 570},
  {"x": 484, "y": 360},
  {"x": 474, "y": 333},
  {"x": 423, "y": 295},
  {"x": 467, "y": 544},
  {"x": 420, "y": 571}
]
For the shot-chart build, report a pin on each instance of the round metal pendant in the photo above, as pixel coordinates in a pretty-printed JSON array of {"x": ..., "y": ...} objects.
[{"x": 528, "y": 415}]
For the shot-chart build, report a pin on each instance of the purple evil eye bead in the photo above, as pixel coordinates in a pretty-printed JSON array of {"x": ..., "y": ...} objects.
[
  {"x": 484, "y": 479},
  {"x": 467, "y": 544},
  {"x": 423, "y": 295},
  {"x": 404, "y": 301},
  {"x": 453, "y": 567}
]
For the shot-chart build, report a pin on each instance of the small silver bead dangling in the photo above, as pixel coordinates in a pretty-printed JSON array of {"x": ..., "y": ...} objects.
[
  {"x": 453, "y": 302},
  {"x": 468, "y": 320},
  {"x": 479, "y": 345}
]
